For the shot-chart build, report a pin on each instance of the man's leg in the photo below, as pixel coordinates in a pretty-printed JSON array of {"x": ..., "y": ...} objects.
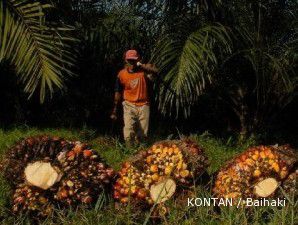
[
  {"x": 129, "y": 116},
  {"x": 143, "y": 116}
]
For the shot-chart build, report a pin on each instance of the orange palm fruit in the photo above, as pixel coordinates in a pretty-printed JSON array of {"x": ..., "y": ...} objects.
[
  {"x": 163, "y": 155},
  {"x": 133, "y": 189},
  {"x": 176, "y": 150},
  {"x": 217, "y": 182},
  {"x": 243, "y": 157},
  {"x": 283, "y": 174},
  {"x": 170, "y": 151},
  {"x": 149, "y": 159},
  {"x": 154, "y": 168},
  {"x": 271, "y": 156},
  {"x": 155, "y": 177},
  {"x": 240, "y": 165},
  {"x": 267, "y": 152},
  {"x": 124, "y": 200},
  {"x": 127, "y": 180},
  {"x": 168, "y": 170},
  {"x": 275, "y": 166},
  {"x": 126, "y": 165},
  {"x": 120, "y": 182},
  {"x": 77, "y": 149},
  {"x": 158, "y": 150},
  {"x": 249, "y": 162},
  {"x": 179, "y": 165},
  {"x": 262, "y": 154},
  {"x": 184, "y": 173},
  {"x": 184, "y": 166},
  {"x": 255, "y": 157},
  {"x": 63, "y": 193},
  {"x": 257, "y": 173}
]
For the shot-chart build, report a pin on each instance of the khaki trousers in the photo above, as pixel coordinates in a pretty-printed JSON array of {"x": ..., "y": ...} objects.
[{"x": 136, "y": 122}]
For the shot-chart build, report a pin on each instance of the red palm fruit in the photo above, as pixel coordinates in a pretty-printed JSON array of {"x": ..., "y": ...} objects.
[
  {"x": 87, "y": 153},
  {"x": 243, "y": 157},
  {"x": 141, "y": 194},
  {"x": 116, "y": 195},
  {"x": 117, "y": 186},
  {"x": 71, "y": 155}
]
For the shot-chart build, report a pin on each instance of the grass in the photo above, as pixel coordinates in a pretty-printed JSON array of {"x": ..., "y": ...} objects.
[{"x": 114, "y": 152}]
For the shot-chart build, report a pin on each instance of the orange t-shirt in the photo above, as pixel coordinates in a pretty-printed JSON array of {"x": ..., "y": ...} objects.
[{"x": 134, "y": 86}]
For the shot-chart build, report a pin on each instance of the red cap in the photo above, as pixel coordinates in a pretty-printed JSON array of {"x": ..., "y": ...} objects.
[{"x": 132, "y": 54}]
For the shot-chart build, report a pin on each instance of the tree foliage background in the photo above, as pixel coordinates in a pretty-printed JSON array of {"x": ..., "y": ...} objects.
[{"x": 224, "y": 66}]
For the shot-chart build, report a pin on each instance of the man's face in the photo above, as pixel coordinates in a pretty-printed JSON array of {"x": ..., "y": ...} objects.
[{"x": 131, "y": 63}]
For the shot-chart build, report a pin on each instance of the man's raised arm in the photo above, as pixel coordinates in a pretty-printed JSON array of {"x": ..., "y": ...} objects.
[{"x": 149, "y": 68}]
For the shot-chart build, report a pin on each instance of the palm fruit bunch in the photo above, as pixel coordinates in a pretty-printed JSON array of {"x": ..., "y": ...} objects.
[
  {"x": 153, "y": 176},
  {"x": 255, "y": 173},
  {"x": 47, "y": 172}
]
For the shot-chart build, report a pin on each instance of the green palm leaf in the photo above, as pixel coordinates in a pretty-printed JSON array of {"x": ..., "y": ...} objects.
[
  {"x": 187, "y": 61},
  {"x": 39, "y": 52}
]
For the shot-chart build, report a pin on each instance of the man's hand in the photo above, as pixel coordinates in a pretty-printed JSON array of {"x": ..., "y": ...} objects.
[{"x": 113, "y": 115}]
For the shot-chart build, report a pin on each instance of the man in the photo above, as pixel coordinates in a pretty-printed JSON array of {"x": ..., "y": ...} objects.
[{"x": 132, "y": 84}]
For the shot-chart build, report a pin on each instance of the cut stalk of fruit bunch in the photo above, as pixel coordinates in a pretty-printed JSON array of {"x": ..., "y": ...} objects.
[
  {"x": 54, "y": 172},
  {"x": 41, "y": 174},
  {"x": 266, "y": 187},
  {"x": 163, "y": 190}
]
